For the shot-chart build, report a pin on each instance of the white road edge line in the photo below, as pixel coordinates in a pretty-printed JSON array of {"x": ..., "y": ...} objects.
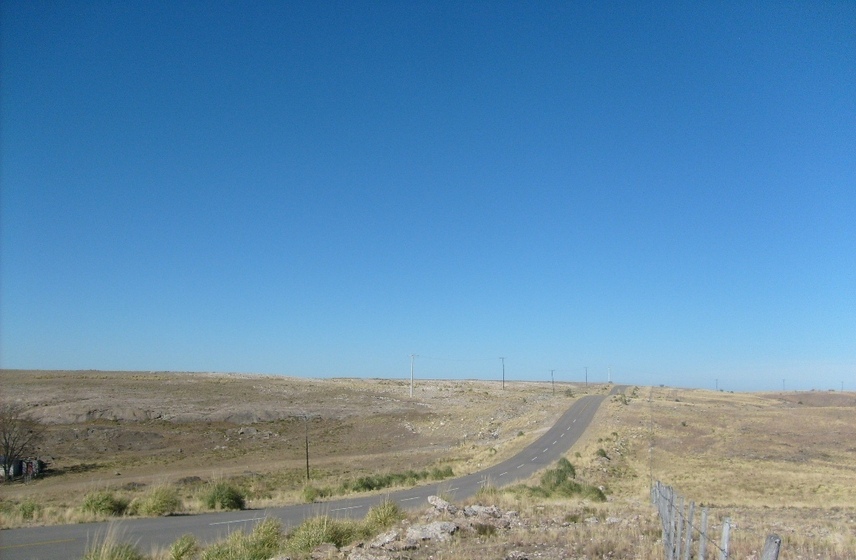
[{"x": 408, "y": 499}]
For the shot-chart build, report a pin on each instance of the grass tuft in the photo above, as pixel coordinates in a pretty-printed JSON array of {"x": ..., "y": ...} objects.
[
  {"x": 160, "y": 500},
  {"x": 110, "y": 548},
  {"x": 262, "y": 543},
  {"x": 222, "y": 495},
  {"x": 383, "y": 516},
  {"x": 319, "y": 530},
  {"x": 104, "y": 502},
  {"x": 185, "y": 548}
]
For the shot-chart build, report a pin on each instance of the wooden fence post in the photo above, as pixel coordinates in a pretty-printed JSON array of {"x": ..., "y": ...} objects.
[
  {"x": 723, "y": 548},
  {"x": 689, "y": 532},
  {"x": 679, "y": 526},
  {"x": 771, "y": 548}
]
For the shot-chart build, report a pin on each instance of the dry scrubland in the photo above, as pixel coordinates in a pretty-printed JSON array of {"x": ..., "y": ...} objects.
[
  {"x": 779, "y": 462},
  {"x": 131, "y": 431}
]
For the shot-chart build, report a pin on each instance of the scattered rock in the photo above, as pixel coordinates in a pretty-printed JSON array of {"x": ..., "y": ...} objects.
[
  {"x": 359, "y": 554},
  {"x": 436, "y": 531},
  {"x": 442, "y": 505},
  {"x": 482, "y": 511},
  {"x": 384, "y": 540},
  {"x": 324, "y": 551}
]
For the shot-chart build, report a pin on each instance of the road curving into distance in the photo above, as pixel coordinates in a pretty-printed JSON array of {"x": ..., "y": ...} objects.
[{"x": 64, "y": 542}]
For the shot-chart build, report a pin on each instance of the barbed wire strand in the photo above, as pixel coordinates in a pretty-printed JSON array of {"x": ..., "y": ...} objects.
[{"x": 671, "y": 503}]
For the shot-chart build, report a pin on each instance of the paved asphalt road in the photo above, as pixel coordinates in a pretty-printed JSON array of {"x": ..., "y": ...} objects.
[{"x": 67, "y": 542}]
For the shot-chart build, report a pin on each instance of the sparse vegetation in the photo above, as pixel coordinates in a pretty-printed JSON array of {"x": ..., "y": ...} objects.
[
  {"x": 383, "y": 516},
  {"x": 222, "y": 495},
  {"x": 111, "y": 547},
  {"x": 185, "y": 548},
  {"x": 263, "y": 542},
  {"x": 104, "y": 502},
  {"x": 160, "y": 500}
]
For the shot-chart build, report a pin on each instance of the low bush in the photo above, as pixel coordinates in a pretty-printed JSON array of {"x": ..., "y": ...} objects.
[
  {"x": 407, "y": 478},
  {"x": 161, "y": 500},
  {"x": 311, "y": 493},
  {"x": 29, "y": 510},
  {"x": 104, "y": 502},
  {"x": 264, "y": 542},
  {"x": 383, "y": 516},
  {"x": 222, "y": 495},
  {"x": 184, "y": 548},
  {"x": 559, "y": 482},
  {"x": 319, "y": 530}
]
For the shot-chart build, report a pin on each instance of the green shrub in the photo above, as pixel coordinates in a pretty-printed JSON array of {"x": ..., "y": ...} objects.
[
  {"x": 184, "y": 548},
  {"x": 311, "y": 493},
  {"x": 222, "y": 495},
  {"x": 319, "y": 530},
  {"x": 29, "y": 510},
  {"x": 440, "y": 474},
  {"x": 592, "y": 493},
  {"x": 161, "y": 500},
  {"x": 262, "y": 543},
  {"x": 383, "y": 516},
  {"x": 104, "y": 502},
  {"x": 484, "y": 529}
]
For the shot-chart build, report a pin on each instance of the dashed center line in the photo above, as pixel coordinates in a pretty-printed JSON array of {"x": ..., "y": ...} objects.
[
  {"x": 408, "y": 499},
  {"x": 518, "y": 466},
  {"x": 237, "y": 521},
  {"x": 347, "y": 508},
  {"x": 503, "y": 474}
]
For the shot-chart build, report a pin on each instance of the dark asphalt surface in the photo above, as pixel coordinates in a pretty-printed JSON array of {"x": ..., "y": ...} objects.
[{"x": 66, "y": 542}]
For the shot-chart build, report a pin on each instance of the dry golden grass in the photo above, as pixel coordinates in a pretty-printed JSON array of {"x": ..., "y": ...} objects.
[{"x": 129, "y": 431}]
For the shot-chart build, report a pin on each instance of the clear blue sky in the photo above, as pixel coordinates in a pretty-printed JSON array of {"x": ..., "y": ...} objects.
[{"x": 324, "y": 188}]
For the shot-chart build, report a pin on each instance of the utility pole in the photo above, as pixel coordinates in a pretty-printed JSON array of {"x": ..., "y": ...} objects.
[
  {"x": 609, "y": 375},
  {"x": 553, "y": 381},
  {"x": 717, "y": 384},
  {"x": 586, "y": 376},
  {"x": 412, "y": 357},
  {"x": 306, "y": 427},
  {"x": 503, "y": 371}
]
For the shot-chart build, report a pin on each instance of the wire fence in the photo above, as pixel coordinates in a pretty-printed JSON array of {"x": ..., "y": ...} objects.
[{"x": 680, "y": 531}]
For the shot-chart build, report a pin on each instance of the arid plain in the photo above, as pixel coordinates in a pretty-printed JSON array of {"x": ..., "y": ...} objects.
[{"x": 780, "y": 463}]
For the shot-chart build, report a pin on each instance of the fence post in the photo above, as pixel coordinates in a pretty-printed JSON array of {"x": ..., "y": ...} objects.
[
  {"x": 679, "y": 526},
  {"x": 726, "y": 529},
  {"x": 771, "y": 547},
  {"x": 702, "y": 542},
  {"x": 689, "y": 532}
]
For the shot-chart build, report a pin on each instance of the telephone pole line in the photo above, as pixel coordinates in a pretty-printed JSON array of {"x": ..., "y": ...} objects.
[
  {"x": 553, "y": 381},
  {"x": 503, "y": 371}
]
